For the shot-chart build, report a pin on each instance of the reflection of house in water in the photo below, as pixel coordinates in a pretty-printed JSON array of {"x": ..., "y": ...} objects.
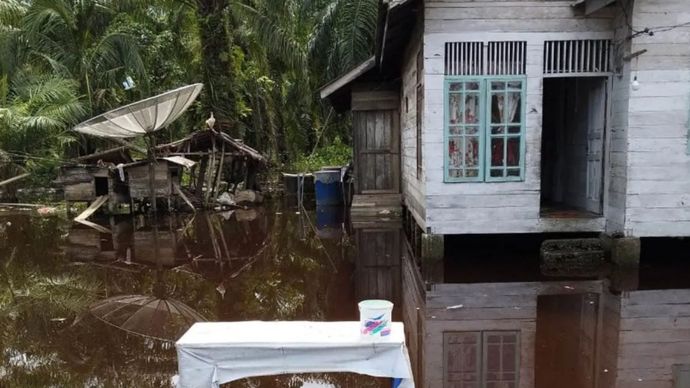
[
  {"x": 201, "y": 240},
  {"x": 544, "y": 334},
  {"x": 378, "y": 263}
]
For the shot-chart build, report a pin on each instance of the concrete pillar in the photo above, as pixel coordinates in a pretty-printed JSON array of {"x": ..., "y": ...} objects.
[
  {"x": 625, "y": 251},
  {"x": 432, "y": 252},
  {"x": 432, "y": 246}
]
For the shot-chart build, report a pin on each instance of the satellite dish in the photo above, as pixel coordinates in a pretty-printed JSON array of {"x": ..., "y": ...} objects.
[{"x": 142, "y": 117}]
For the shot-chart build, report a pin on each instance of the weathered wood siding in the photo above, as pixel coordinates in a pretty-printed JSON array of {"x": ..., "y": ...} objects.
[
  {"x": 510, "y": 207},
  {"x": 655, "y": 336},
  {"x": 617, "y": 155},
  {"x": 658, "y": 181},
  {"x": 610, "y": 308},
  {"x": 139, "y": 180},
  {"x": 413, "y": 186},
  {"x": 413, "y": 306}
]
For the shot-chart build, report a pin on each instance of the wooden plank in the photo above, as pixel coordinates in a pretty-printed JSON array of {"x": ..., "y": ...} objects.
[
  {"x": 94, "y": 225},
  {"x": 95, "y": 205},
  {"x": 656, "y": 297},
  {"x": 184, "y": 197}
]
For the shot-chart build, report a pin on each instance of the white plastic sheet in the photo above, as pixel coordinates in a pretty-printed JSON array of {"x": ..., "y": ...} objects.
[{"x": 213, "y": 353}]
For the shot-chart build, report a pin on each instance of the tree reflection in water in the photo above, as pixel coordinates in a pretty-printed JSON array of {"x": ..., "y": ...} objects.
[{"x": 258, "y": 264}]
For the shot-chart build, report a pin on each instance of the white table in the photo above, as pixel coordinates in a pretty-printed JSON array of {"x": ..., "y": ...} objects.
[{"x": 213, "y": 353}]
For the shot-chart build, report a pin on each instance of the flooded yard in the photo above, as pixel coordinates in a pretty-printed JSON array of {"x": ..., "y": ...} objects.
[{"x": 82, "y": 307}]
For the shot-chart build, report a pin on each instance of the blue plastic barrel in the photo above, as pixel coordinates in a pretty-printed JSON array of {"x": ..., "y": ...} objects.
[
  {"x": 329, "y": 190},
  {"x": 329, "y": 221}
]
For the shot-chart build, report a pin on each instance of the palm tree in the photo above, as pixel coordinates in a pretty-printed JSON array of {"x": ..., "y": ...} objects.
[
  {"x": 36, "y": 112},
  {"x": 79, "y": 40},
  {"x": 298, "y": 45}
]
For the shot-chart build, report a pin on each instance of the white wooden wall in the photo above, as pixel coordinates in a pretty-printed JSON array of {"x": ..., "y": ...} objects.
[
  {"x": 658, "y": 178},
  {"x": 412, "y": 186},
  {"x": 511, "y": 207}
]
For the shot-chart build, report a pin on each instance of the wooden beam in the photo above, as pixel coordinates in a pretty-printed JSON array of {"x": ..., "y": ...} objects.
[
  {"x": 18, "y": 177},
  {"x": 592, "y": 6},
  {"x": 184, "y": 197},
  {"x": 129, "y": 145}
]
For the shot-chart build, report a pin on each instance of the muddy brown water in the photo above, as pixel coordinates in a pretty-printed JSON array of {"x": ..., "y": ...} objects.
[{"x": 510, "y": 328}]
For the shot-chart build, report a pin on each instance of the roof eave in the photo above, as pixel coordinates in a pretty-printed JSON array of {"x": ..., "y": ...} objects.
[{"x": 347, "y": 78}]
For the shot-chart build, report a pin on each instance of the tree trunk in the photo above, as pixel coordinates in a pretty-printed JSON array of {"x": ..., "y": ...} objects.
[{"x": 216, "y": 56}]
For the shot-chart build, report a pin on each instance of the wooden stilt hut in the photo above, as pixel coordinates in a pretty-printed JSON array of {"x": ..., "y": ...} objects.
[{"x": 222, "y": 163}]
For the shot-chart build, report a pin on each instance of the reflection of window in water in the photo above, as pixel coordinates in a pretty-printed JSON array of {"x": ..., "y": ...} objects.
[{"x": 478, "y": 359}]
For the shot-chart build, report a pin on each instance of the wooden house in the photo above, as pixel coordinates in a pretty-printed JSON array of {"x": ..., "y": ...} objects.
[{"x": 529, "y": 116}]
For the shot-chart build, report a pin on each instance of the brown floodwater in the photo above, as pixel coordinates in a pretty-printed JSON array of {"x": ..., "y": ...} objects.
[{"x": 72, "y": 301}]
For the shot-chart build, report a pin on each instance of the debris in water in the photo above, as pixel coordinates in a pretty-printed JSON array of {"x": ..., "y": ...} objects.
[{"x": 457, "y": 306}]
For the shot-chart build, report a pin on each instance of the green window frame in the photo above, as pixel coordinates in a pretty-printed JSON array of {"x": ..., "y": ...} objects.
[{"x": 484, "y": 135}]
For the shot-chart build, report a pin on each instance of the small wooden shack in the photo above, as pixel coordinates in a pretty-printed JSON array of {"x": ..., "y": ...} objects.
[
  {"x": 91, "y": 177},
  {"x": 83, "y": 183},
  {"x": 167, "y": 178}
]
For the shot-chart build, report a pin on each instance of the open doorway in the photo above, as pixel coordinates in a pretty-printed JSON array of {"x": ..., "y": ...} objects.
[
  {"x": 572, "y": 163},
  {"x": 101, "y": 186},
  {"x": 566, "y": 341}
]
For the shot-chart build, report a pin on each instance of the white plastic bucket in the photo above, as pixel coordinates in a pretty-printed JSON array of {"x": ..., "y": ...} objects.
[{"x": 375, "y": 318}]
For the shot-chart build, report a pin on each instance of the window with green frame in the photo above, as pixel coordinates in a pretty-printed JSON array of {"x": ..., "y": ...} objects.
[{"x": 484, "y": 128}]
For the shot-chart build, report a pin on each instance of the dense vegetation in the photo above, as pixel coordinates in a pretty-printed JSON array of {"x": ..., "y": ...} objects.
[{"x": 261, "y": 61}]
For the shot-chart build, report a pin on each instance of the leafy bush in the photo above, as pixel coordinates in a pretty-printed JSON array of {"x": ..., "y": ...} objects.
[{"x": 335, "y": 154}]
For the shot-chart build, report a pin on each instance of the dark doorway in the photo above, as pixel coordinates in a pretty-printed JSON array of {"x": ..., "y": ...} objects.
[
  {"x": 572, "y": 161},
  {"x": 101, "y": 184},
  {"x": 566, "y": 340}
]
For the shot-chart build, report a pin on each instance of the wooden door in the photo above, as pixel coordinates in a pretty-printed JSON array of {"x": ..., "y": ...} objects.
[
  {"x": 595, "y": 144},
  {"x": 377, "y": 148}
]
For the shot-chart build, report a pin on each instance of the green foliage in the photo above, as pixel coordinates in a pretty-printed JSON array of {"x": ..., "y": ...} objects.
[
  {"x": 262, "y": 61},
  {"x": 335, "y": 154}
]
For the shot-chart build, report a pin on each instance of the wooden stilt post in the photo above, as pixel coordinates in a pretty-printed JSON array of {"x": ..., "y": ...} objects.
[
  {"x": 152, "y": 171},
  {"x": 214, "y": 193}
]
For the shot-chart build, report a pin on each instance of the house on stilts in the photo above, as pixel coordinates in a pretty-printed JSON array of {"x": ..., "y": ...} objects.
[
  {"x": 488, "y": 117},
  {"x": 538, "y": 116}
]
